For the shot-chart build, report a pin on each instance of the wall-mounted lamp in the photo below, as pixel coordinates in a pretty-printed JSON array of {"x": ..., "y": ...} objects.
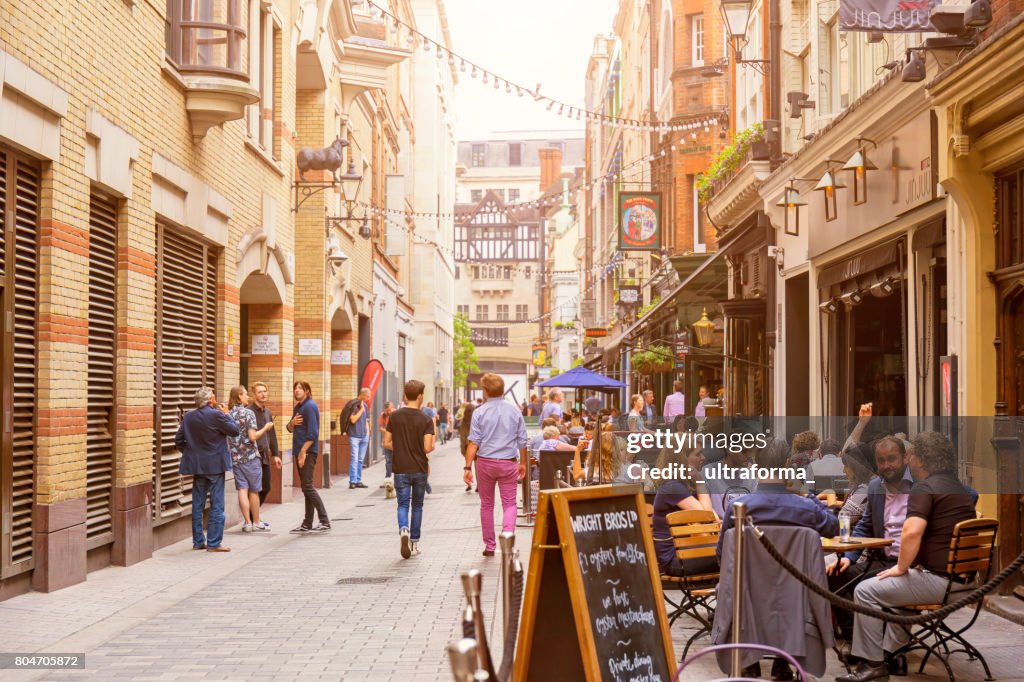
[
  {"x": 798, "y": 101},
  {"x": 829, "y": 307},
  {"x": 882, "y": 289},
  {"x": 860, "y": 164},
  {"x": 828, "y": 185},
  {"x": 851, "y": 298},
  {"x": 704, "y": 329},
  {"x": 790, "y": 199},
  {"x": 737, "y": 16}
]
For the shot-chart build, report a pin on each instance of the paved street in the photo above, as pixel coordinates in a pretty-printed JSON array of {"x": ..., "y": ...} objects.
[{"x": 339, "y": 606}]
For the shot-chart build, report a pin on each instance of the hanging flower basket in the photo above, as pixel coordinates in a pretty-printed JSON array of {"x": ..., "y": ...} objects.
[{"x": 653, "y": 360}]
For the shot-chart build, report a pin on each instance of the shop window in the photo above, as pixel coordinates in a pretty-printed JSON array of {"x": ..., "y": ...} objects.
[
  {"x": 206, "y": 36},
  {"x": 99, "y": 439},
  {"x": 186, "y": 357},
  {"x": 20, "y": 189}
]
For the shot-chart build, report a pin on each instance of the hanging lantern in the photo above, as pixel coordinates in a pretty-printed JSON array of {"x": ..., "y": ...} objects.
[
  {"x": 703, "y": 329},
  {"x": 828, "y": 185},
  {"x": 860, "y": 164},
  {"x": 791, "y": 200}
]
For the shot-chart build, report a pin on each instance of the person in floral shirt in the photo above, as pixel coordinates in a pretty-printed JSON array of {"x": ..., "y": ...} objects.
[{"x": 245, "y": 459}]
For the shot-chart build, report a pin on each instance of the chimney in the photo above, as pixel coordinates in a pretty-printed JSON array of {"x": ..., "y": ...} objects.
[{"x": 550, "y": 166}]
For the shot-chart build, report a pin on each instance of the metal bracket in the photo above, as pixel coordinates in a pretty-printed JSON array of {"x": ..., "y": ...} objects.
[{"x": 305, "y": 190}]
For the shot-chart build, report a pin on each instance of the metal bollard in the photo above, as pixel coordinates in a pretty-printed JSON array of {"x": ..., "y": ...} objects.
[
  {"x": 463, "y": 659},
  {"x": 472, "y": 582},
  {"x": 739, "y": 514},
  {"x": 506, "y": 542}
]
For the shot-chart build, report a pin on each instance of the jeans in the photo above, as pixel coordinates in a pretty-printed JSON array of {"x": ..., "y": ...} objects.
[
  {"x": 313, "y": 500},
  {"x": 505, "y": 474},
  {"x": 265, "y": 490},
  {"x": 442, "y": 432},
  {"x": 410, "y": 487},
  {"x": 355, "y": 467},
  {"x": 389, "y": 458},
  {"x": 212, "y": 485}
]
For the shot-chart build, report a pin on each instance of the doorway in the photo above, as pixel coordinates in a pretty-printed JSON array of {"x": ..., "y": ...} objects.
[{"x": 796, "y": 337}]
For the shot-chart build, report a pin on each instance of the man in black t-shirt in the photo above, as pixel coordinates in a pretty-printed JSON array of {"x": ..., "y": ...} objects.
[
  {"x": 442, "y": 423},
  {"x": 410, "y": 437},
  {"x": 938, "y": 501}
]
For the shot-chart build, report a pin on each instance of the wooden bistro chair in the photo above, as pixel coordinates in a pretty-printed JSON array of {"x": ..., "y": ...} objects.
[
  {"x": 971, "y": 551},
  {"x": 694, "y": 534}
]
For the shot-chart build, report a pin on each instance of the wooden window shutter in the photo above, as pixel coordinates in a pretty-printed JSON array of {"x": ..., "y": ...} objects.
[
  {"x": 186, "y": 356},
  {"x": 102, "y": 341},
  {"x": 19, "y": 191}
]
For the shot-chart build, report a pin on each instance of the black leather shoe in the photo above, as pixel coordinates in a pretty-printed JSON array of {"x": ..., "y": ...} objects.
[
  {"x": 865, "y": 672},
  {"x": 781, "y": 670},
  {"x": 752, "y": 670}
]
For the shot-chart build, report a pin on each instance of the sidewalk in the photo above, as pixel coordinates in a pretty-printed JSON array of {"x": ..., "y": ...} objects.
[{"x": 338, "y": 606}]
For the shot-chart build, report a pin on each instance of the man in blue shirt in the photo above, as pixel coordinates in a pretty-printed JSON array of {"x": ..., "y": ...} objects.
[
  {"x": 204, "y": 456},
  {"x": 497, "y": 435},
  {"x": 359, "y": 439},
  {"x": 553, "y": 407},
  {"x": 305, "y": 429}
]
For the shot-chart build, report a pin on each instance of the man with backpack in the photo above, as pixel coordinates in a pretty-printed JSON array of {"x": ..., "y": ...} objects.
[{"x": 355, "y": 423}]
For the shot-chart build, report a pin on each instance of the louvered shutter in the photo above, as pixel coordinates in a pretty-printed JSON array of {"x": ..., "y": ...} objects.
[
  {"x": 102, "y": 338},
  {"x": 186, "y": 356},
  {"x": 19, "y": 189}
]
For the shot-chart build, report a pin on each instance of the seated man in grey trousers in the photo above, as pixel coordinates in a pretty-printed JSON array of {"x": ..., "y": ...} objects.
[{"x": 938, "y": 501}]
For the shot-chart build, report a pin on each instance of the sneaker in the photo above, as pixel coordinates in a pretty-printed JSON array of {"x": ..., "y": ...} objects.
[
  {"x": 321, "y": 527},
  {"x": 262, "y": 525},
  {"x": 416, "y": 549},
  {"x": 247, "y": 528},
  {"x": 301, "y": 530},
  {"x": 406, "y": 544}
]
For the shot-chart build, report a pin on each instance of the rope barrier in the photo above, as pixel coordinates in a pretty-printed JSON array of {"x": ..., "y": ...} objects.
[
  {"x": 509, "y": 650},
  {"x": 975, "y": 596}
]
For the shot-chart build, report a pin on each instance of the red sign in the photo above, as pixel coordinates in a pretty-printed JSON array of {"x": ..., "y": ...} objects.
[
  {"x": 595, "y": 333},
  {"x": 373, "y": 374}
]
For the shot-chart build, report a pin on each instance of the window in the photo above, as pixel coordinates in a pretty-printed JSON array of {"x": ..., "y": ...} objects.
[
  {"x": 499, "y": 192},
  {"x": 502, "y": 312},
  {"x": 828, "y": 59},
  {"x": 515, "y": 153},
  {"x": 264, "y": 50},
  {"x": 699, "y": 244},
  {"x": 99, "y": 439},
  {"x": 697, "y": 40},
  {"x": 490, "y": 336},
  {"x": 522, "y": 312},
  {"x": 527, "y": 271},
  {"x": 206, "y": 35},
  {"x": 481, "y": 312},
  {"x": 479, "y": 155},
  {"x": 558, "y": 144},
  {"x": 186, "y": 356},
  {"x": 475, "y": 195},
  {"x": 513, "y": 195},
  {"x": 507, "y": 272},
  {"x": 20, "y": 190},
  {"x": 463, "y": 310},
  {"x": 476, "y": 272},
  {"x": 456, "y": 272}
]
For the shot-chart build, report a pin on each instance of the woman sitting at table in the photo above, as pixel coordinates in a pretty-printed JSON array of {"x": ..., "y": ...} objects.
[
  {"x": 684, "y": 494},
  {"x": 859, "y": 469},
  {"x": 552, "y": 441},
  {"x": 589, "y": 468}
]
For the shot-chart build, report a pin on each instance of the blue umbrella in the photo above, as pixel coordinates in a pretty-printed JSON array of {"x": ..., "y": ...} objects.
[{"x": 581, "y": 377}]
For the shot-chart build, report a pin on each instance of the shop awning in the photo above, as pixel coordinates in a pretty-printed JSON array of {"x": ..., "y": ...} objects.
[
  {"x": 669, "y": 299},
  {"x": 861, "y": 264}
]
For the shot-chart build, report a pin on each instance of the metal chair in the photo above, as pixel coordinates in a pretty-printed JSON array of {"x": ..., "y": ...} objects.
[
  {"x": 777, "y": 653},
  {"x": 695, "y": 535},
  {"x": 970, "y": 560}
]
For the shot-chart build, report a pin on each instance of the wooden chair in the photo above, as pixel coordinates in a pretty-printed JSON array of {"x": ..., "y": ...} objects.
[
  {"x": 971, "y": 550},
  {"x": 695, "y": 535}
]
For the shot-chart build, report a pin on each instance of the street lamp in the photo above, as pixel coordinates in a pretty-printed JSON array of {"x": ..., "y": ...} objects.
[
  {"x": 704, "y": 328},
  {"x": 791, "y": 200},
  {"x": 737, "y": 16},
  {"x": 828, "y": 185},
  {"x": 859, "y": 163}
]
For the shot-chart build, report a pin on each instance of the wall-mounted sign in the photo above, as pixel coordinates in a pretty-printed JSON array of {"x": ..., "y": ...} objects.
[
  {"x": 311, "y": 346},
  {"x": 265, "y": 344},
  {"x": 544, "y": 373},
  {"x": 894, "y": 16},
  {"x": 629, "y": 294},
  {"x": 540, "y": 354},
  {"x": 341, "y": 357},
  {"x": 639, "y": 221},
  {"x": 595, "y": 333}
]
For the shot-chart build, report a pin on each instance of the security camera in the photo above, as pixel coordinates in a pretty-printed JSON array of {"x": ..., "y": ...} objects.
[{"x": 335, "y": 257}]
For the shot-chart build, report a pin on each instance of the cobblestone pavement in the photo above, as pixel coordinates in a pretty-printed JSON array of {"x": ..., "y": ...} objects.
[{"x": 342, "y": 605}]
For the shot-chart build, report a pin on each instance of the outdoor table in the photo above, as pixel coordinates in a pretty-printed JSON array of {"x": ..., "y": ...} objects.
[{"x": 839, "y": 547}]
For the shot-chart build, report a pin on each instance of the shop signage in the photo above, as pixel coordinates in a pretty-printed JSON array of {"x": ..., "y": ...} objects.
[
  {"x": 593, "y": 607},
  {"x": 341, "y": 357},
  {"x": 540, "y": 354},
  {"x": 543, "y": 373},
  {"x": 266, "y": 344},
  {"x": 639, "y": 221},
  {"x": 893, "y": 16},
  {"x": 682, "y": 343},
  {"x": 372, "y": 375},
  {"x": 595, "y": 333},
  {"x": 311, "y": 346},
  {"x": 629, "y": 294}
]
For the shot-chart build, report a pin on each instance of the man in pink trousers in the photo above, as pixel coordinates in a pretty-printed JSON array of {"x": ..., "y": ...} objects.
[{"x": 497, "y": 442}]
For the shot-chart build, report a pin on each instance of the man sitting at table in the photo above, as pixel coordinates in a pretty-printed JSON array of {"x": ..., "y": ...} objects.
[{"x": 936, "y": 503}]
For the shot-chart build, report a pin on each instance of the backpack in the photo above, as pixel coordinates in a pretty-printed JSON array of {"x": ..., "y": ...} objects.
[{"x": 345, "y": 418}]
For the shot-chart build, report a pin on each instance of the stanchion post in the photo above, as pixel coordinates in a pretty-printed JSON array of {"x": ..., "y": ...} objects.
[
  {"x": 463, "y": 659},
  {"x": 506, "y": 542},
  {"x": 739, "y": 517}
]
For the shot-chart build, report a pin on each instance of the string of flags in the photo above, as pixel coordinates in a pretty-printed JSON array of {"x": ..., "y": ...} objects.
[{"x": 486, "y": 76}]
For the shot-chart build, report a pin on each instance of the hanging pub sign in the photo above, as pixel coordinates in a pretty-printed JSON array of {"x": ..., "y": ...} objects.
[
  {"x": 595, "y": 333},
  {"x": 629, "y": 294},
  {"x": 593, "y": 609},
  {"x": 892, "y": 16},
  {"x": 639, "y": 221},
  {"x": 540, "y": 354}
]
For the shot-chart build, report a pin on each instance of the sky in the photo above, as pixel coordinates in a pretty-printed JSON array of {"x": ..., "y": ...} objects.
[{"x": 526, "y": 41}]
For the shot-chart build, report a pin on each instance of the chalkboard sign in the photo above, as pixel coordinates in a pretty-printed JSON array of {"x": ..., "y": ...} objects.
[{"x": 593, "y": 608}]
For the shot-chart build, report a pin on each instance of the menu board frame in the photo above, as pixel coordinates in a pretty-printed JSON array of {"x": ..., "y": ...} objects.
[{"x": 555, "y": 574}]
